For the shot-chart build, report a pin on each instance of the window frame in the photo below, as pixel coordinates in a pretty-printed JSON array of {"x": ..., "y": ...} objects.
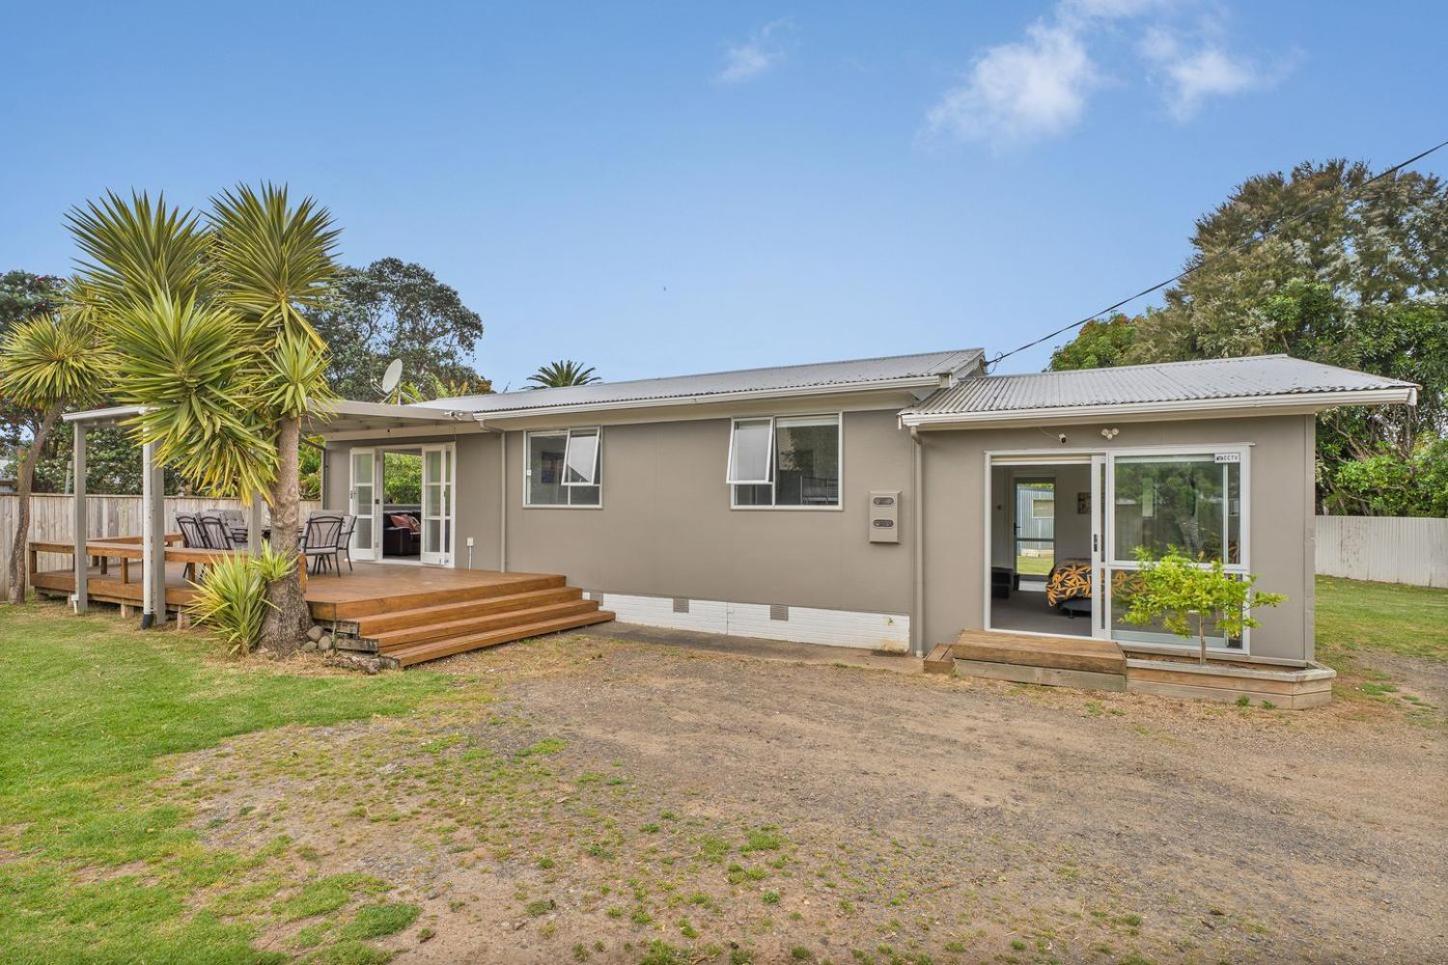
[
  {"x": 773, "y": 483},
  {"x": 1243, "y": 451},
  {"x": 567, "y": 487}
]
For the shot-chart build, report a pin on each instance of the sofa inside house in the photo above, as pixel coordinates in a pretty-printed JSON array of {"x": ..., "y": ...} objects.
[{"x": 402, "y": 533}]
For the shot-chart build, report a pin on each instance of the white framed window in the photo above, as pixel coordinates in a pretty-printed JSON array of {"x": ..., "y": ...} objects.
[
  {"x": 790, "y": 462},
  {"x": 563, "y": 467}
]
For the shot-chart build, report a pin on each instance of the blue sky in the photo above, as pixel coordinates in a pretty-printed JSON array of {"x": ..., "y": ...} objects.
[{"x": 663, "y": 188}]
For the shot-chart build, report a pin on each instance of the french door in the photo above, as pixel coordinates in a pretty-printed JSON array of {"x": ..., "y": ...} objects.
[
  {"x": 364, "y": 501},
  {"x": 438, "y": 472}
]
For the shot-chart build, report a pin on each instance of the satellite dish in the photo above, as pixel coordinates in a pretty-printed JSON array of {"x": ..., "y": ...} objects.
[{"x": 392, "y": 376}]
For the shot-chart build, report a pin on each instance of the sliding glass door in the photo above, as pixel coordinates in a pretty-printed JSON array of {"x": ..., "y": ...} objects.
[{"x": 1191, "y": 501}]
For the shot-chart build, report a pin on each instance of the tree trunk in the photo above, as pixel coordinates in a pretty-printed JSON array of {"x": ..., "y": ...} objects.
[
  {"x": 288, "y": 619},
  {"x": 19, "y": 557}
]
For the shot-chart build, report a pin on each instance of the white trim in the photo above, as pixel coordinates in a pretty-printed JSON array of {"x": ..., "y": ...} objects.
[
  {"x": 528, "y": 470},
  {"x": 839, "y": 628},
  {"x": 1248, "y": 406},
  {"x": 773, "y": 482}
]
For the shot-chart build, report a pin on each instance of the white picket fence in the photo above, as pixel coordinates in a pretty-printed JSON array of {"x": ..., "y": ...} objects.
[
  {"x": 1388, "y": 549},
  {"x": 50, "y": 521}
]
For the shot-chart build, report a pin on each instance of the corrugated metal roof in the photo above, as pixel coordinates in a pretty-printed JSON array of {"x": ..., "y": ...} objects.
[
  {"x": 1212, "y": 379},
  {"x": 855, "y": 372}
]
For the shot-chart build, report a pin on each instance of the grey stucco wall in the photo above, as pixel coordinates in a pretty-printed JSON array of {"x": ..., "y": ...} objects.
[
  {"x": 666, "y": 527},
  {"x": 1281, "y": 513}
]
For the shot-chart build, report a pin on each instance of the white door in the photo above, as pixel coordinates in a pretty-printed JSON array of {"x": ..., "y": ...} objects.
[
  {"x": 437, "y": 504},
  {"x": 363, "y": 503}
]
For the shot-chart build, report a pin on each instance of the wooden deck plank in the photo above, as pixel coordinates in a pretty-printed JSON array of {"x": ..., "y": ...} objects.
[{"x": 1056, "y": 653}]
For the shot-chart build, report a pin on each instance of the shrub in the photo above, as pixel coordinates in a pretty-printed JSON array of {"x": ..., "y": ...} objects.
[
  {"x": 231, "y": 597},
  {"x": 1176, "y": 588}
]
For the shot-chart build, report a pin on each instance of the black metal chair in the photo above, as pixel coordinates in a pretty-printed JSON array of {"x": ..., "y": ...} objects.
[
  {"x": 319, "y": 540},
  {"x": 344, "y": 539},
  {"x": 215, "y": 531},
  {"x": 192, "y": 536}
]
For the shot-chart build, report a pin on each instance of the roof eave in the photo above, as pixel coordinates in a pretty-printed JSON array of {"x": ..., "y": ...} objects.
[
  {"x": 1239, "y": 406},
  {"x": 715, "y": 398}
]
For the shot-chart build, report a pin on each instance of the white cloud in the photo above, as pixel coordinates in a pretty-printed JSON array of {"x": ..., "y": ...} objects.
[
  {"x": 1193, "y": 76},
  {"x": 756, "y": 56},
  {"x": 1041, "y": 86},
  {"x": 1020, "y": 91}
]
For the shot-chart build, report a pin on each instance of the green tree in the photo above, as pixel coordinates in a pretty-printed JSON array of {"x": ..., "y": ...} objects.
[
  {"x": 47, "y": 364},
  {"x": 1334, "y": 270},
  {"x": 23, "y": 295},
  {"x": 1098, "y": 345},
  {"x": 394, "y": 309},
  {"x": 207, "y": 318},
  {"x": 564, "y": 372},
  {"x": 1177, "y": 592}
]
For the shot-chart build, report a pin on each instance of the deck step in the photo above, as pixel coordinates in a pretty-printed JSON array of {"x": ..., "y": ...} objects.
[
  {"x": 940, "y": 660},
  {"x": 1081, "y": 654},
  {"x": 401, "y": 619},
  {"x": 436, "y": 649},
  {"x": 353, "y": 610},
  {"x": 485, "y": 623}
]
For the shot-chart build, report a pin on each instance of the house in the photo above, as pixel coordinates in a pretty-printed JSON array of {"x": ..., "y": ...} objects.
[
  {"x": 988, "y": 523},
  {"x": 886, "y": 503}
]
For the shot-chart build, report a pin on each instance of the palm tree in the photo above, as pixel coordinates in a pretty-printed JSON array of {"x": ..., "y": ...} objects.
[
  {"x": 565, "y": 372},
  {"x": 46, "y": 364},
  {"x": 206, "y": 318}
]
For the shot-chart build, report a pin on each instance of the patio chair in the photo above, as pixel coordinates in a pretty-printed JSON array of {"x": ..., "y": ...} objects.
[
  {"x": 344, "y": 539},
  {"x": 215, "y": 531},
  {"x": 236, "y": 525},
  {"x": 192, "y": 537},
  {"x": 319, "y": 540}
]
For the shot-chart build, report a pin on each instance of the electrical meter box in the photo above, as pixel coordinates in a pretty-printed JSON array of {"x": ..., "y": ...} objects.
[{"x": 885, "y": 516}]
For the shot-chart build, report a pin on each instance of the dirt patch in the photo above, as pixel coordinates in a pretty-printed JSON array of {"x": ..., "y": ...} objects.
[{"x": 594, "y": 800}]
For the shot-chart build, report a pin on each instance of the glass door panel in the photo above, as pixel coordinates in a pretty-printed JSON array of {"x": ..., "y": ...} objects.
[
  {"x": 362, "y": 502},
  {"x": 437, "y": 504}
]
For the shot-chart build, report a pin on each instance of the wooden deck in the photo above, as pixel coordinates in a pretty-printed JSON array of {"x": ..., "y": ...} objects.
[
  {"x": 404, "y": 613},
  {"x": 1027, "y": 658}
]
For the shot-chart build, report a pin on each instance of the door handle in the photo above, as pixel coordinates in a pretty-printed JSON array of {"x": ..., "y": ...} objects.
[{"x": 1095, "y": 542}]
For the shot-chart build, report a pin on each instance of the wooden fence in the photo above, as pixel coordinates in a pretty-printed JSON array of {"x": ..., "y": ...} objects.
[
  {"x": 1389, "y": 549},
  {"x": 50, "y": 521}
]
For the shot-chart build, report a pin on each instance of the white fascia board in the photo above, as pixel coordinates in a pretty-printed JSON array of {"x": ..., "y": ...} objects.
[
  {"x": 104, "y": 415},
  {"x": 1244, "y": 406},
  {"x": 714, "y": 398}
]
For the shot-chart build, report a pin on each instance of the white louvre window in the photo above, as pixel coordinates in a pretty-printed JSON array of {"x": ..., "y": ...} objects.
[
  {"x": 750, "y": 447},
  {"x": 799, "y": 468},
  {"x": 580, "y": 460},
  {"x": 563, "y": 468}
]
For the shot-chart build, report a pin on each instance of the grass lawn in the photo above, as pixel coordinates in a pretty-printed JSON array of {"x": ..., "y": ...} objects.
[
  {"x": 93, "y": 863},
  {"x": 1353, "y": 617},
  {"x": 112, "y": 849}
]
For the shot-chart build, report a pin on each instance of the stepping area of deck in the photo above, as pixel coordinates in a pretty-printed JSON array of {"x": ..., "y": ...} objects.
[
  {"x": 1027, "y": 658},
  {"x": 407, "y": 614}
]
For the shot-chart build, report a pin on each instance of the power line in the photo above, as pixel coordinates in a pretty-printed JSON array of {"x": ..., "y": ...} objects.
[{"x": 1310, "y": 209}]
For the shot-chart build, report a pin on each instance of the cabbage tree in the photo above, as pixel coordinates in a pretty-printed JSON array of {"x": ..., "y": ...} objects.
[
  {"x": 205, "y": 315},
  {"x": 48, "y": 364}
]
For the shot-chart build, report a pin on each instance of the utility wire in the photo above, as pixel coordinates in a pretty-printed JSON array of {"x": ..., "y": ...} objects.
[{"x": 1310, "y": 209}]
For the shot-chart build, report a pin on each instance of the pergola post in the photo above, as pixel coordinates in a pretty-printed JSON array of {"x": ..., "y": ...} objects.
[
  {"x": 80, "y": 523},
  {"x": 153, "y": 539}
]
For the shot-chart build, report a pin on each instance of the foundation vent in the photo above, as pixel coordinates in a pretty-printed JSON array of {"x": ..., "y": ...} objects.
[
  {"x": 778, "y": 611},
  {"x": 681, "y": 604}
]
